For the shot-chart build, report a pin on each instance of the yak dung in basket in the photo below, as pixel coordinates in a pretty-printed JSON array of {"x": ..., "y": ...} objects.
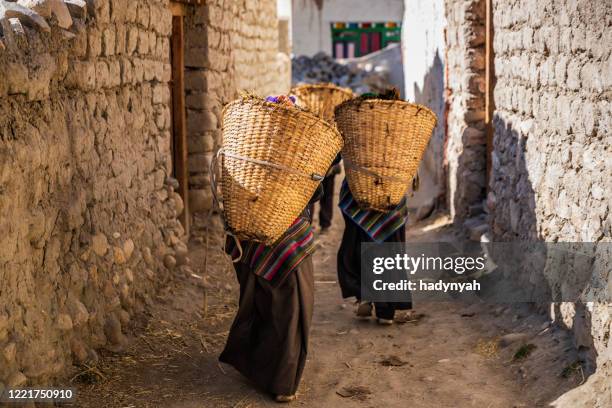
[
  {"x": 384, "y": 141},
  {"x": 273, "y": 158},
  {"x": 322, "y": 99}
]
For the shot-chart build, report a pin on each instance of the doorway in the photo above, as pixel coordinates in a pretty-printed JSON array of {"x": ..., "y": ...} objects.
[{"x": 179, "y": 127}]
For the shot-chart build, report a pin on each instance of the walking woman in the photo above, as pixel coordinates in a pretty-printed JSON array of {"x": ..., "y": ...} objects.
[
  {"x": 363, "y": 226},
  {"x": 268, "y": 340}
]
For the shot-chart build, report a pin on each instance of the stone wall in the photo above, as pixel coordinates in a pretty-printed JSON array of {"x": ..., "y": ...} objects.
[
  {"x": 231, "y": 45},
  {"x": 466, "y": 142},
  {"x": 88, "y": 225},
  {"x": 552, "y": 159}
]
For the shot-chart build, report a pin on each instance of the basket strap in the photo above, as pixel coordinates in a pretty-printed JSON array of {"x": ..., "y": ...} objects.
[
  {"x": 350, "y": 165},
  {"x": 312, "y": 176},
  {"x": 217, "y": 205}
]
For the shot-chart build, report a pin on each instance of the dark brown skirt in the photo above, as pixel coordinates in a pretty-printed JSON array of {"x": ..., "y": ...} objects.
[
  {"x": 349, "y": 266},
  {"x": 268, "y": 341}
]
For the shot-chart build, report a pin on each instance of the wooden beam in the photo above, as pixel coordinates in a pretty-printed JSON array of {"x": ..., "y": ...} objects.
[
  {"x": 489, "y": 87},
  {"x": 179, "y": 131}
]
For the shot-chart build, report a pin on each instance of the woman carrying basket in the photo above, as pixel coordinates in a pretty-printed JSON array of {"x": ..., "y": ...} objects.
[
  {"x": 268, "y": 340},
  {"x": 374, "y": 127}
]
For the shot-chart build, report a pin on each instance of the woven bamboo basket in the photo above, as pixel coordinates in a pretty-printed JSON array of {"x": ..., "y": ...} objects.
[
  {"x": 384, "y": 141},
  {"x": 273, "y": 158},
  {"x": 322, "y": 99}
]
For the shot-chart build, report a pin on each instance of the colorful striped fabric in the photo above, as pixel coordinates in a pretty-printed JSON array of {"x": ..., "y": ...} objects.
[
  {"x": 274, "y": 263},
  {"x": 378, "y": 225}
]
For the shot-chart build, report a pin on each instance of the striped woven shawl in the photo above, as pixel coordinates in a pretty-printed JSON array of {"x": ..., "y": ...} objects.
[
  {"x": 378, "y": 225},
  {"x": 274, "y": 263}
]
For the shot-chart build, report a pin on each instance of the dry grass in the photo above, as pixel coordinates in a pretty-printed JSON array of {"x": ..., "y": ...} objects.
[{"x": 488, "y": 348}]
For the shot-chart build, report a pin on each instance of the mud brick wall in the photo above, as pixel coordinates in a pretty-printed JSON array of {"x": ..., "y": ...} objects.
[
  {"x": 466, "y": 141},
  {"x": 231, "y": 45},
  {"x": 552, "y": 147},
  {"x": 88, "y": 226}
]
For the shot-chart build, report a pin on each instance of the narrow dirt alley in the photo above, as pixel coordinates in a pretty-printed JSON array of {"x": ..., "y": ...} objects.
[{"x": 453, "y": 356}]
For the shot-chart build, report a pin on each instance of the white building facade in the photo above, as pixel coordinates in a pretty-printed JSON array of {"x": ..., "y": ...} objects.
[{"x": 314, "y": 21}]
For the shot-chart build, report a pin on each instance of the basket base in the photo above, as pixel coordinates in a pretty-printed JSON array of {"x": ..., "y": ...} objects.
[{"x": 366, "y": 206}]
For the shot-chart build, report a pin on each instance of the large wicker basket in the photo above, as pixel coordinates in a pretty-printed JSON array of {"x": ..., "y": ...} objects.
[
  {"x": 322, "y": 98},
  {"x": 273, "y": 158},
  {"x": 384, "y": 141}
]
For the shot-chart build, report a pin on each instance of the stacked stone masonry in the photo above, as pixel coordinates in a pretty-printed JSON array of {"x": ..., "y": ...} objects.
[
  {"x": 552, "y": 155},
  {"x": 231, "y": 46},
  {"x": 465, "y": 65},
  {"x": 88, "y": 215}
]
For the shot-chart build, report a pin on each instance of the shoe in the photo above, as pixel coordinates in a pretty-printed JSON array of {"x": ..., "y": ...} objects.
[
  {"x": 285, "y": 398},
  {"x": 364, "y": 310},
  {"x": 323, "y": 230},
  {"x": 406, "y": 316},
  {"x": 384, "y": 322}
]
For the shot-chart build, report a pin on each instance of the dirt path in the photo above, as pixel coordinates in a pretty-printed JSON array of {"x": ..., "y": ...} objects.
[{"x": 449, "y": 358}]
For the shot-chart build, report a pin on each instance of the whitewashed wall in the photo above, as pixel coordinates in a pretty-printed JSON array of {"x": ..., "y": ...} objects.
[
  {"x": 423, "y": 47},
  {"x": 311, "y": 26}
]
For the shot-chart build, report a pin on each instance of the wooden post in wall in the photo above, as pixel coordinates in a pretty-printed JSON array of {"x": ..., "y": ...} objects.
[
  {"x": 489, "y": 85},
  {"x": 179, "y": 128}
]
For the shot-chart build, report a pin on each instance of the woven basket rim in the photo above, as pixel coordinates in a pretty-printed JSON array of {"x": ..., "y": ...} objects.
[
  {"x": 390, "y": 102},
  {"x": 323, "y": 85},
  {"x": 278, "y": 106}
]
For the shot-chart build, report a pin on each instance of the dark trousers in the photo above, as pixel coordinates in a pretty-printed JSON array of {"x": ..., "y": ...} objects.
[
  {"x": 326, "y": 205},
  {"x": 349, "y": 266},
  {"x": 268, "y": 341}
]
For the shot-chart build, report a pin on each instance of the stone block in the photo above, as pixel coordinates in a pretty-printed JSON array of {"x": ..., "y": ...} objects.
[
  {"x": 201, "y": 101},
  {"x": 102, "y": 74},
  {"x": 99, "y": 10},
  {"x": 144, "y": 14},
  {"x": 200, "y": 121},
  {"x": 114, "y": 72},
  {"x": 16, "y": 379},
  {"x": 94, "y": 42},
  {"x": 127, "y": 71},
  {"x": 578, "y": 39},
  {"x": 138, "y": 71},
  {"x": 161, "y": 94},
  {"x": 16, "y": 78},
  {"x": 195, "y": 80},
  {"x": 77, "y": 8},
  {"x": 120, "y": 39},
  {"x": 152, "y": 42},
  {"x": 149, "y": 69},
  {"x": 132, "y": 40},
  {"x": 62, "y": 14},
  {"x": 119, "y": 10},
  {"x": 573, "y": 74},
  {"x": 165, "y": 21},
  {"x": 201, "y": 143},
  {"x": 199, "y": 162},
  {"x": 131, "y": 11},
  {"x": 109, "y": 41},
  {"x": 591, "y": 76},
  {"x": 196, "y": 57},
  {"x": 200, "y": 200},
  {"x": 473, "y": 136},
  {"x": 42, "y": 70},
  {"x": 143, "y": 42}
]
